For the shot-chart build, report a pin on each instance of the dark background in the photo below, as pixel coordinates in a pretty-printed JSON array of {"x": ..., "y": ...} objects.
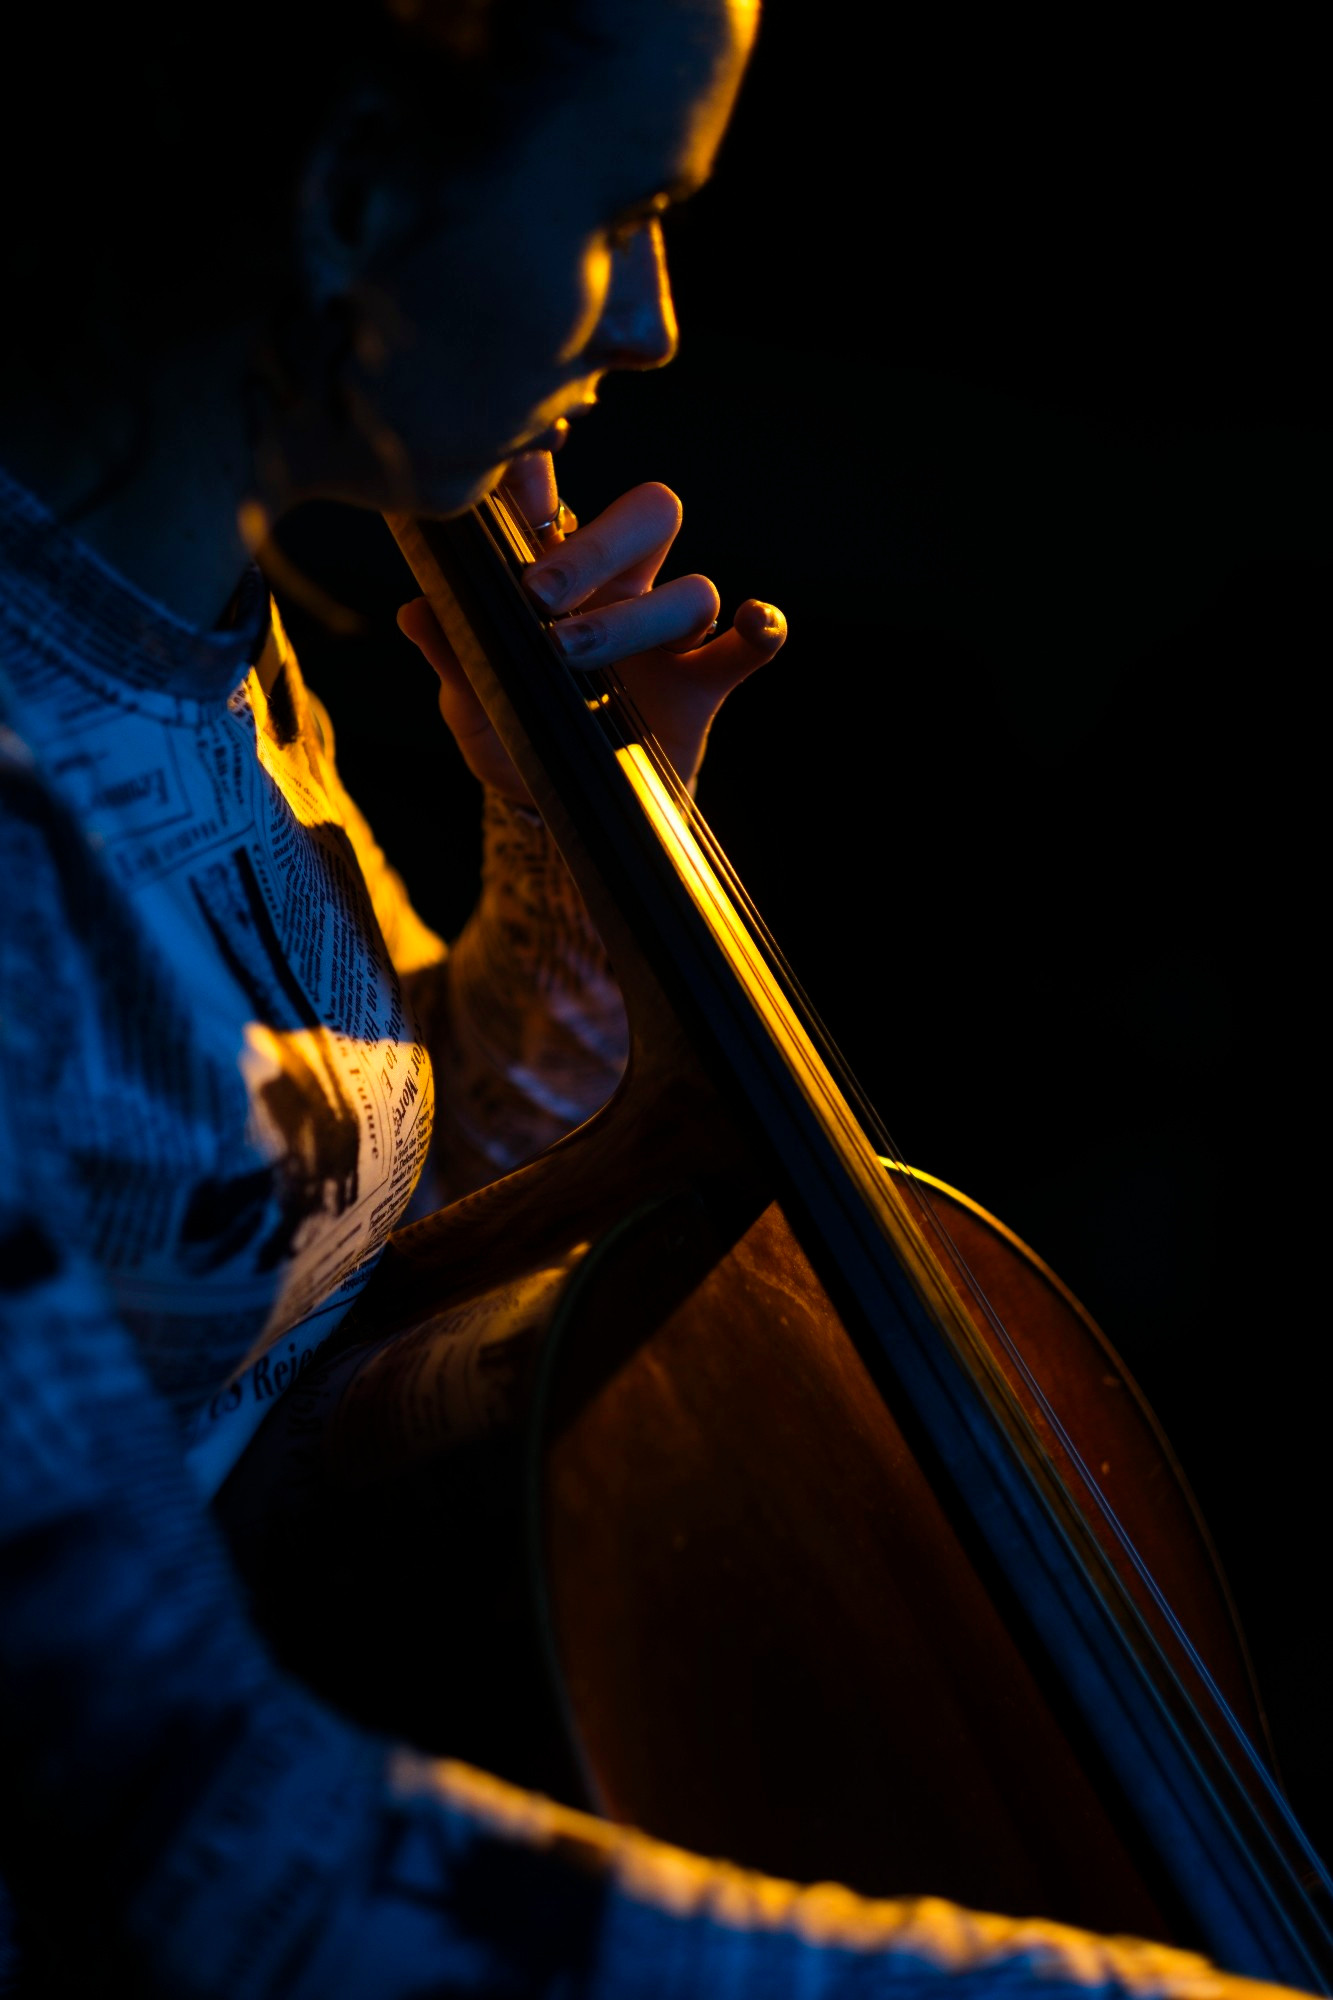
[{"x": 1003, "y": 372}]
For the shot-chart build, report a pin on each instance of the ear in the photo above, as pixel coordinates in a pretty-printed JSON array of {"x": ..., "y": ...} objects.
[{"x": 356, "y": 194}]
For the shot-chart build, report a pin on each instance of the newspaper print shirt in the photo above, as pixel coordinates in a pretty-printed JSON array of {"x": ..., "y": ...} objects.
[
  {"x": 241, "y": 1102},
  {"x": 244, "y": 1113}
]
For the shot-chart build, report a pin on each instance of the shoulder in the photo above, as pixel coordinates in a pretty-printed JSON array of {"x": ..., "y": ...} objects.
[{"x": 291, "y": 712}]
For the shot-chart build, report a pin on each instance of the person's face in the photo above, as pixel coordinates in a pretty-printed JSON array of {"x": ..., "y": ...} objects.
[{"x": 549, "y": 269}]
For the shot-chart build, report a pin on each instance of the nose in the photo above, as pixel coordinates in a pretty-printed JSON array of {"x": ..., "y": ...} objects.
[{"x": 638, "y": 328}]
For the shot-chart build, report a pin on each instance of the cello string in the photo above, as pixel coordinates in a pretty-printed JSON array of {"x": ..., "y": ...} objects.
[
  {"x": 627, "y": 713},
  {"x": 633, "y": 727},
  {"x": 630, "y": 726},
  {"x": 698, "y": 825}
]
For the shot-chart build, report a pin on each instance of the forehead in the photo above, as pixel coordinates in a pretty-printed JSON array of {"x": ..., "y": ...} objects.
[{"x": 647, "y": 111}]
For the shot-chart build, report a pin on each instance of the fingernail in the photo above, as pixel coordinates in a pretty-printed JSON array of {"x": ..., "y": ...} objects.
[
  {"x": 579, "y": 636},
  {"x": 548, "y": 586}
]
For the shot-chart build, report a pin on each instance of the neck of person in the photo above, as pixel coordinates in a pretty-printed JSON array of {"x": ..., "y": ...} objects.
[{"x": 152, "y": 474}]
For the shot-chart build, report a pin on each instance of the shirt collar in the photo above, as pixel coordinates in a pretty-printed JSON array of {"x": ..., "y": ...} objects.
[{"x": 78, "y": 605}]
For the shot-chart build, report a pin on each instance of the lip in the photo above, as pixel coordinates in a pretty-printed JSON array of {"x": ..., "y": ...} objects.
[{"x": 553, "y": 438}]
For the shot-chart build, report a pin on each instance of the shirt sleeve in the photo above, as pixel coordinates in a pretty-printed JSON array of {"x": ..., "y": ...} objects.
[{"x": 524, "y": 1019}]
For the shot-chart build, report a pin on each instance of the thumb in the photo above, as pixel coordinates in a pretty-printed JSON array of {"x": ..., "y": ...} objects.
[
  {"x": 458, "y": 703},
  {"x": 417, "y": 622},
  {"x": 758, "y": 631}
]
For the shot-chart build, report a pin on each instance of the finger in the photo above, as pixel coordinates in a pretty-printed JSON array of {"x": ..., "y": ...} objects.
[
  {"x": 626, "y": 546},
  {"x": 458, "y": 703},
  {"x": 677, "y": 612},
  {"x": 679, "y": 698},
  {"x": 758, "y": 631},
  {"x": 692, "y": 642},
  {"x": 530, "y": 484},
  {"x": 417, "y": 622}
]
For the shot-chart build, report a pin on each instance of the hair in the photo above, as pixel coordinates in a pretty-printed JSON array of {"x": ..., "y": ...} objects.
[{"x": 150, "y": 158}]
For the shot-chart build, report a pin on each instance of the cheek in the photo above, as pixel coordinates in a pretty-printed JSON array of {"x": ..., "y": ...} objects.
[
  {"x": 532, "y": 313},
  {"x": 480, "y": 330},
  {"x": 589, "y": 287}
]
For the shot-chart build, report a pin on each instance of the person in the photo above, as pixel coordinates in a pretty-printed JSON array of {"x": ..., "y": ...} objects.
[{"x": 387, "y": 265}]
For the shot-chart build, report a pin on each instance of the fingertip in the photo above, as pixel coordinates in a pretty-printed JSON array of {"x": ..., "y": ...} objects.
[
  {"x": 702, "y": 594},
  {"x": 762, "y": 624},
  {"x": 666, "y": 505}
]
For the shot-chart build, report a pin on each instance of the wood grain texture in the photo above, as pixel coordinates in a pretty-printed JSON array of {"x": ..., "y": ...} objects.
[{"x": 773, "y": 1643}]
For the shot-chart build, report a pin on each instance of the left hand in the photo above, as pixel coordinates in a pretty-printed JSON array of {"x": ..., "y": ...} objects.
[{"x": 604, "y": 573}]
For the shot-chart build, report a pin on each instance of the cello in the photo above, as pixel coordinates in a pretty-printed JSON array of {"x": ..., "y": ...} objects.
[{"x": 719, "y": 1472}]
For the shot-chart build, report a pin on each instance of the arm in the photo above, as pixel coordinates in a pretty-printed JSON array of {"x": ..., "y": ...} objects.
[{"x": 523, "y": 1019}]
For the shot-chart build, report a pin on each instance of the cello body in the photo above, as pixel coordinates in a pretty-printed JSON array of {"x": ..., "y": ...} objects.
[
  {"x": 714, "y": 1472},
  {"x": 599, "y": 1494}
]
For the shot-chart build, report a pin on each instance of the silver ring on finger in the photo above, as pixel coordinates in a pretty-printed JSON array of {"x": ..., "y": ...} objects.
[{"x": 564, "y": 520}]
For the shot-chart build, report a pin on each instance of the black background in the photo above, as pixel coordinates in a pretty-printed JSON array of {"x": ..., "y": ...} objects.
[{"x": 1003, "y": 372}]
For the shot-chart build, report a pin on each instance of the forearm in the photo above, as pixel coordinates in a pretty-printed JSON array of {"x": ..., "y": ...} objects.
[{"x": 524, "y": 1021}]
